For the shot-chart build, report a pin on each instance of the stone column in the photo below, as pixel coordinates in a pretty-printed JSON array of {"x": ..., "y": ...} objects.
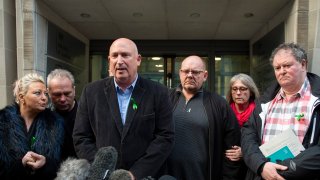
[
  {"x": 31, "y": 38},
  {"x": 8, "y": 58},
  {"x": 314, "y": 37}
]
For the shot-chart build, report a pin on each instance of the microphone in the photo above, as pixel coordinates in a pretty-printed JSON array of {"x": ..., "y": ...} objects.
[
  {"x": 164, "y": 177},
  {"x": 167, "y": 177},
  {"x": 103, "y": 164},
  {"x": 71, "y": 168},
  {"x": 120, "y": 174},
  {"x": 148, "y": 178}
]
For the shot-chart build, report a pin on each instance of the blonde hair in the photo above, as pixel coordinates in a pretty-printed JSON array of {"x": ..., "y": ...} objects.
[
  {"x": 21, "y": 85},
  {"x": 247, "y": 81}
]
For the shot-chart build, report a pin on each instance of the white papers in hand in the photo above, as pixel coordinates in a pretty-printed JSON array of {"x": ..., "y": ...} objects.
[{"x": 282, "y": 146}]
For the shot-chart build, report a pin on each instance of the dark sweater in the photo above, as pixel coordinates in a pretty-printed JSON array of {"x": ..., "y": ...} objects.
[
  {"x": 69, "y": 118},
  {"x": 223, "y": 133},
  {"x": 189, "y": 158}
]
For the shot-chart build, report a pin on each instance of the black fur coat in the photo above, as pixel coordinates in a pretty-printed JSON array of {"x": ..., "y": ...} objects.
[{"x": 14, "y": 143}]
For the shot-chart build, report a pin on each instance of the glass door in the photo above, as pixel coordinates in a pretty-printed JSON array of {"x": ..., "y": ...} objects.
[
  {"x": 165, "y": 69},
  {"x": 153, "y": 68},
  {"x": 227, "y": 66}
]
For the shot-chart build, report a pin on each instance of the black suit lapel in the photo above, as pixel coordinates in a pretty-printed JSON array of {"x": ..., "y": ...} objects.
[
  {"x": 137, "y": 96},
  {"x": 112, "y": 101}
]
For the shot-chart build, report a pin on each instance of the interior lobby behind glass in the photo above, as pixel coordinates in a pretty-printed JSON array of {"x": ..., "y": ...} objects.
[{"x": 165, "y": 70}]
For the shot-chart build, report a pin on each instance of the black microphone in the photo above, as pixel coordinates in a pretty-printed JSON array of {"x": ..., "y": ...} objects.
[
  {"x": 72, "y": 168},
  {"x": 164, "y": 177},
  {"x": 120, "y": 174},
  {"x": 167, "y": 177},
  {"x": 148, "y": 178},
  {"x": 103, "y": 164}
]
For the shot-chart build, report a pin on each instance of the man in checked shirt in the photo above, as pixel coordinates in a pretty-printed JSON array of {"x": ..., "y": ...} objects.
[{"x": 291, "y": 103}]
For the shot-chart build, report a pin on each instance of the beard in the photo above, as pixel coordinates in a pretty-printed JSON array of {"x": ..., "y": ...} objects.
[{"x": 190, "y": 88}]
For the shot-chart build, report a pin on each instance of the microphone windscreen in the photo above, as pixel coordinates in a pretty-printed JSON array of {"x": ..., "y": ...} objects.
[
  {"x": 103, "y": 164},
  {"x": 120, "y": 174},
  {"x": 167, "y": 177},
  {"x": 71, "y": 168},
  {"x": 148, "y": 178}
]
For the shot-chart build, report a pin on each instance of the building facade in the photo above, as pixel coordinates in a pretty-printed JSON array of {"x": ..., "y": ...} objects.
[{"x": 33, "y": 38}]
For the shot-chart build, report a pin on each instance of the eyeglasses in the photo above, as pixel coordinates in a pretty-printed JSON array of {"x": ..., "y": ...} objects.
[
  {"x": 193, "y": 72},
  {"x": 241, "y": 89}
]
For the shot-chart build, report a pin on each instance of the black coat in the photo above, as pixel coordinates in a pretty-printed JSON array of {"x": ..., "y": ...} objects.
[
  {"x": 69, "y": 118},
  {"x": 14, "y": 144},
  {"x": 224, "y": 132},
  {"x": 146, "y": 139}
]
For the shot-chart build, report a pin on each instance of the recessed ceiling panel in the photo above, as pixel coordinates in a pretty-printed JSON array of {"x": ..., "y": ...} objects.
[{"x": 168, "y": 19}]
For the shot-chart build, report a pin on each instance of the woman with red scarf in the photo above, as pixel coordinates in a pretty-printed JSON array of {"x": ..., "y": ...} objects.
[{"x": 241, "y": 96}]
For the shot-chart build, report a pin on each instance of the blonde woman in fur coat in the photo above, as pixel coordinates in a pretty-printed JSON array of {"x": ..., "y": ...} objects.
[{"x": 30, "y": 134}]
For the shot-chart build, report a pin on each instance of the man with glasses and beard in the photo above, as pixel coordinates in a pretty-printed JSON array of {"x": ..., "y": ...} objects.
[{"x": 205, "y": 127}]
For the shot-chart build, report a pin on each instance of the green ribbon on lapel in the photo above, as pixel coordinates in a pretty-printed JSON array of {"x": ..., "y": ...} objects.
[
  {"x": 134, "y": 104},
  {"x": 299, "y": 116},
  {"x": 33, "y": 140}
]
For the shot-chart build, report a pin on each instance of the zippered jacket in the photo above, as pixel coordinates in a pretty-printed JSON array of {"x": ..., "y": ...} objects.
[
  {"x": 224, "y": 132},
  {"x": 304, "y": 166}
]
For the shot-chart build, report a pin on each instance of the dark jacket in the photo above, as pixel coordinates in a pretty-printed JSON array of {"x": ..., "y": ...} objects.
[
  {"x": 69, "y": 118},
  {"x": 304, "y": 166},
  {"x": 146, "y": 139},
  {"x": 14, "y": 144},
  {"x": 224, "y": 132}
]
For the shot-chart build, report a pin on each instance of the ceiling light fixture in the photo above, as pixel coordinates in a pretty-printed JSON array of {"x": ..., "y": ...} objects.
[
  {"x": 85, "y": 15},
  {"x": 137, "y": 14},
  {"x": 159, "y": 65},
  {"x": 217, "y": 58},
  {"x": 194, "y": 15},
  {"x": 160, "y": 70},
  {"x": 156, "y": 58}
]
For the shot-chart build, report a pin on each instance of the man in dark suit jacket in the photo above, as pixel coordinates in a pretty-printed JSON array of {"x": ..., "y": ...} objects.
[{"x": 125, "y": 111}]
